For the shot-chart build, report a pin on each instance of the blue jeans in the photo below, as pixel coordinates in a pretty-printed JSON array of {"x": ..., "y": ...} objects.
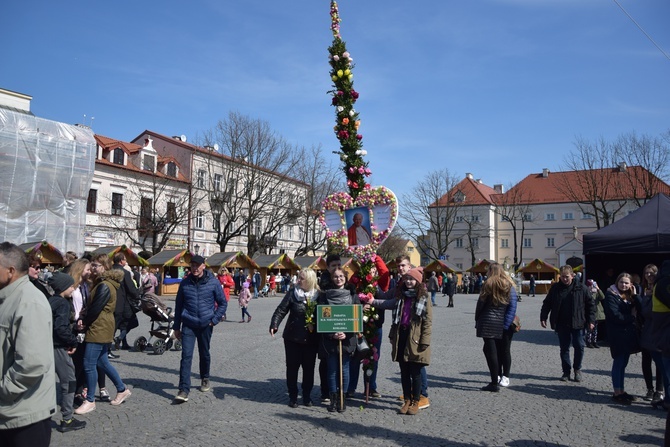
[
  {"x": 188, "y": 338},
  {"x": 565, "y": 337},
  {"x": 95, "y": 355},
  {"x": 355, "y": 369},
  {"x": 334, "y": 369},
  {"x": 618, "y": 370},
  {"x": 424, "y": 382},
  {"x": 432, "y": 296}
]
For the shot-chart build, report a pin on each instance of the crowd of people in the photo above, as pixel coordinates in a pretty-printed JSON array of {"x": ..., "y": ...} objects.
[{"x": 91, "y": 305}]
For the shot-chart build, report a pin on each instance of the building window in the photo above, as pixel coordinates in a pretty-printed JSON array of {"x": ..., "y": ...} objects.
[
  {"x": 149, "y": 163},
  {"x": 218, "y": 178},
  {"x": 567, "y": 216},
  {"x": 118, "y": 156},
  {"x": 145, "y": 208},
  {"x": 587, "y": 216},
  {"x": 549, "y": 216},
  {"x": 459, "y": 219},
  {"x": 117, "y": 203},
  {"x": 475, "y": 242},
  {"x": 527, "y": 242},
  {"x": 459, "y": 243},
  {"x": 290, "y": 232},
  {"x": 172, "y": 169},
  {"x": 550, "y": 242},
  {"x": 475, "y": 218},
  {"x": 216, "y": 222},
  {"x": 528, "y": 217},
  {"x": 199, "y": 220},
  {"x": 202, "y": 176},
  {"x": 459, "y": 265},
  {"x": 504, "y": 243},
  {"x": 171, "y": 212},
  {"x": 92, "y": 200},
  {"x": 257, "y": 228}
]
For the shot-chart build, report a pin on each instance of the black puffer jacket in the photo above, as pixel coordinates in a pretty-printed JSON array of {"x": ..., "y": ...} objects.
[
  {"x": 295, "y": 329},
  {"x": 489, "y": 319}
]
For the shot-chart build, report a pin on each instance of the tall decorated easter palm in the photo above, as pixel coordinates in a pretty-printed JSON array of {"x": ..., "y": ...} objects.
[{"x": 356, "y": 222}]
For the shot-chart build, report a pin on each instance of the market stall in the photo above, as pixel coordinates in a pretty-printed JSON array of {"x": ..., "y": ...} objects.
[
  {"x": 171, "y": 265},
  {"x": 274, "y": 264},
  {"x": 544, "y": 273},
  {"x": 45, "y": 252},
  {"x": 132, "y": 258}
]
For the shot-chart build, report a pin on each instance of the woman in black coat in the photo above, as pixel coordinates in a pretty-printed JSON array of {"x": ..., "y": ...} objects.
[
  {"x": 300, "y": 338},
  {"x": 495, "y": 311},
  {"x": 621, "y": 312}
]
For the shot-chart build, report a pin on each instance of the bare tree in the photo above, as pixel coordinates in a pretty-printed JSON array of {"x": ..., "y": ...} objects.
[
  {"x": 322, "y": 179},
  {"x": 596, "y": 188},
  {"x": 394, "y": 245},
  {"x": 430, "y": 209},
  {"x": 514, "y": 208},
  {"x": 652, "y": 154},
  {"x": 152, "y": 210},
  {"x": 469, "y": 216},
  {"x": 249, "y": 183}
]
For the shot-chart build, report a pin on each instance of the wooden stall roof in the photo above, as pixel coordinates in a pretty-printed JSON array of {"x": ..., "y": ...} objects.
[
  {"x": 311, "y": 262},
  {"x": 538, "y": 265},
  {"x": 481, "y": 267},
  {"x": 49, "y": 254},
  {"x": 231, "y": 260},
  {"x": 131, "y": 257},
  {"x": 276, "y": 262},
  {"x": 171, "y": 258},
  {"x": 441, "y": 266}
]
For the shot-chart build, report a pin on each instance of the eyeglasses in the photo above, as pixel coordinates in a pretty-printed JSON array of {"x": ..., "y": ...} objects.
[{"x": 649, "y": 273}]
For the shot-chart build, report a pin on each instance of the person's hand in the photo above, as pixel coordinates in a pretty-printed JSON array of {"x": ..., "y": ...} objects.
[
  {"x": 591, "y": 326},
  {"x": 273, "y": 331},
  {"x": 71, "y": 350},
  {"x": 177, "y": 334},
  {"x": 80, "y": 325},
  {"x": 366, "y": 307},
  {"x": 339, "y": 336},
  {"x": 543, "y": 323},
  {"x": 423, "y": 348}
]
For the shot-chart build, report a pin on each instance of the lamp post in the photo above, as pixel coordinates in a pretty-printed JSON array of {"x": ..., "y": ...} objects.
[{"x": 196, "y": 247}]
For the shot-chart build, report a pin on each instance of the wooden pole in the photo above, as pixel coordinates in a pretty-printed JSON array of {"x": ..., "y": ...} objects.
[{"x": 341, "y": 396}]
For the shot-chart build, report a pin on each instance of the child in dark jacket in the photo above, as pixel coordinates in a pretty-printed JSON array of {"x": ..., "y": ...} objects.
[{"x": 65, "y": 344}]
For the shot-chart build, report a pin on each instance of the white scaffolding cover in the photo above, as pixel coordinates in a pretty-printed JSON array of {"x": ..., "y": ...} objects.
[{"x": 46, "y": 169}]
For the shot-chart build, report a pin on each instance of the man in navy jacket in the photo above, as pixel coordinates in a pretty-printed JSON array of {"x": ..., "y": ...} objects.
[{"x": 199, "y": 306}]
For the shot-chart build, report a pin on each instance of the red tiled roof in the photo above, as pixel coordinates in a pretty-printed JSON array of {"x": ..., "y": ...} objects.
[
  {"x": 540, "y": 189},
  {"x": 110, "y": 143},
  {"x": 476, "y": 193}
]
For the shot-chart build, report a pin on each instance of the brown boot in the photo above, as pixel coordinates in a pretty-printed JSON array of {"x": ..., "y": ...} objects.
[
  {"x": 413, "y": 408},
  {"x": 404, "y": 408}
]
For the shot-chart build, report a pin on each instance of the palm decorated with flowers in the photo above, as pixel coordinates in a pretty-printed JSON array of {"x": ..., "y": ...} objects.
[{"x": 347, "y": 122}]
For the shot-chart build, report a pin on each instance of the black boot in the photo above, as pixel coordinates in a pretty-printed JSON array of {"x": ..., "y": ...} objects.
[
  {"x": 341, "y": 406},
  {"x": 333, "y": 402}
]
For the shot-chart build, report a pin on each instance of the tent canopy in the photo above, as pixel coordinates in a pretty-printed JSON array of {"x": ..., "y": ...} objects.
[
  {"x": 45, "y": 252},
  {"x": 441, "y": 266},
  {"x": 231, "y": 260},
  {"x": 131, "y": 257},
  {"x": 647, "y": 230}
]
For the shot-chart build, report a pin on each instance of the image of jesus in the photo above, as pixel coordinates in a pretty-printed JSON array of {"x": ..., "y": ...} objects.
[{"x": 357, "y": 233}]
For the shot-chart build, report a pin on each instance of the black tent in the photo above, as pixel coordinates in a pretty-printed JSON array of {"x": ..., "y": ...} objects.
[{"x": 641, "y": 238}]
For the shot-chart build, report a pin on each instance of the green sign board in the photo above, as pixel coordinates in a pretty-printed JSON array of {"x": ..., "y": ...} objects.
[{"x": 339, "y": 318}]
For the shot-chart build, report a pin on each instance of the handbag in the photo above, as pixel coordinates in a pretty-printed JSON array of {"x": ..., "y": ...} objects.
[
  {"x": 516, "y": 324},
  {"x": 362, "y": 348}
]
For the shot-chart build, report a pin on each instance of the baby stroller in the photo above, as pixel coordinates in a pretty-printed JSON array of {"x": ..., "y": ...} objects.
[
  {"x": 161, "y": 333},
  {"x": 265, "y": 290}
]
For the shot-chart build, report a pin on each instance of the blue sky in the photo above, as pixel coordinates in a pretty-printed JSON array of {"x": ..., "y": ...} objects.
[{"x": 498, "y": 88}]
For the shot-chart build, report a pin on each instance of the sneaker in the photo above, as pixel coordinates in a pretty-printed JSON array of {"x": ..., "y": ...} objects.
[
  {"x": 504, "y": 381},
  {"x": 120, "y": 397},
  {"x": 325, "y": 399},
  {"x": 204, "y": 386},
  {"x": 104, "y": 395},
  {"x": 71, "y": 425},
  {"x": 578, "y": 375},
  {"x": 649, "y": 395},
  {"x": 492, "y": 387},
  {"x": 86, "y": 407},
  {"x": 249, "y": 319},
  {"x": 628, "y": 397},
  {"x": 424, "y": 402},
  {"x": 112, "y": 356},
  {"x": 181, "y": 397},
  {"x": 565, "y": 377},
  {"x": 620, "y": 399},
  {"x": 658, "y": 397},
  {"x": 375, "y": 394}
]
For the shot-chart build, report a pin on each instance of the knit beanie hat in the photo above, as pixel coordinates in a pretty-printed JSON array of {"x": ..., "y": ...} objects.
[
  {"x": 245, "y": 285},
  {"x": 60, "y": 282},
  {"x": 416, "y": 273}
]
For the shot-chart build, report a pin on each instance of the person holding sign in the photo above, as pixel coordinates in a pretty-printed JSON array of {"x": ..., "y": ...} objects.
[
  {"x": 410, "y": 336},
  {"x": 331, "y": 343},
  {"x": 357, "y": 233}
]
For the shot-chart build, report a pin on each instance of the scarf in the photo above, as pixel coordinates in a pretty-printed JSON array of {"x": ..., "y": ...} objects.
[
  {"x": 303, "y": 297},
  {"x": 338, "y": 296},
  {"x": 419, "y": 306}
]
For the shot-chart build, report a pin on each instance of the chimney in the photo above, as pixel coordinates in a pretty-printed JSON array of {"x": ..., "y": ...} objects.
[
  {"x": 623, "y": 166},
  {"x": 469, "y": 175},
  {"x": 499, "y": 188},
  {"x": 545, "y": 172}
]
